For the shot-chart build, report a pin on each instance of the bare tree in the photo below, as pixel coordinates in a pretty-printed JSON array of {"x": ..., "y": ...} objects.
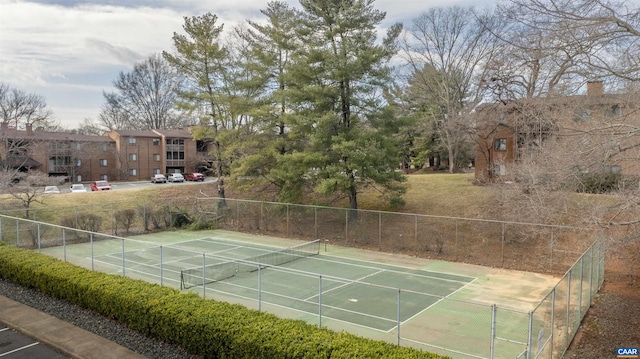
[
  {"x": 598, "y": 37},
  {"x": 19, "y": 111},
  {"x": 18, "y": 108},
  {"x": 446, "y": 49},
  {"x": 146, "y": 97}
]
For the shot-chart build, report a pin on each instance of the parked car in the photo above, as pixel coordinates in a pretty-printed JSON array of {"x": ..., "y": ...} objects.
[
  {"x": 78, "y": 187},
  {"x": 51, "y": 189},
  {"x": 158, "y": 179},
  {"x": 100, "y": 186},
  {"x": 175, "y": 177},
  {"x": 195, "y": 176}
]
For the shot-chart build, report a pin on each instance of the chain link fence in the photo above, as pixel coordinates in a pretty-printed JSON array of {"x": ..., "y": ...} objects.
[{"x": 461, "y": 329}]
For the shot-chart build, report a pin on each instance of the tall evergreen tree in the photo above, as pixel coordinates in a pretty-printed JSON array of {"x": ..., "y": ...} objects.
[
  {"x": 200, "y": 58},
  {"x": 271, "y": 157},
  {"x": 340, "y": 75}
]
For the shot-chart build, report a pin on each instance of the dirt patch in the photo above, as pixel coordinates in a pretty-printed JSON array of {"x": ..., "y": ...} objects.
[{"x": 614, "y": 318}]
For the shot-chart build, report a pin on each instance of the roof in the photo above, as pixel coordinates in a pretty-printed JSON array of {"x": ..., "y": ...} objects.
[
  {"x": 53, "y": 136},
  {"x": 136, "y": 133},
  {"x": 178, "y": 133}
]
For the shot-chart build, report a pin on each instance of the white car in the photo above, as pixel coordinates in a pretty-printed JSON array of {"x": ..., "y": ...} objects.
[
  {"x": 78, "y": 187},
  {"x": 158, "y": 179},
  {"x": 175, "y": 177},
  {"x": 51, "y": 189}
]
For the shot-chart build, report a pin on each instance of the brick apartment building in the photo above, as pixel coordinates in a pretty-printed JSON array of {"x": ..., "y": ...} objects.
[
  {"x": 120, "y": 155},
  {"x": 506, "y": 132}
]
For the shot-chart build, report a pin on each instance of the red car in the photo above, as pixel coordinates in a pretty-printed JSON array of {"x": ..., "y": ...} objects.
[
  {"x": 195, "y": 176},
  {"x": 100, "y": 186}
]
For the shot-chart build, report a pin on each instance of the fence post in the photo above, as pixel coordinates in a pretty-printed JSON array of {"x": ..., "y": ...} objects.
[
  {"x": 553, "y": 317},
  {"x": 566, "y": 337},
  {"x": 551, "y": 249},
  {"x": 17, "y": 233},
  {"x": 123, "y": 260},
  {"x": 0, "y": 229},
  {"x": 398, "y": 315},
  {"x": 380, "y": 229},
  {"x": 39, "y": 243},
  {"x": 91, "y": 240},
  {"x": 204, "y": 281},
  {"x": 456, "y": 222},
  {"x": 320, "y": 301},
  {"x": 493, "y": 331},
  {"x": 502, "y": 246},
  {"x": 315, "y": 222},
  {"x": 346, "y": 226},
  {"x": 259, "y": 288},
  {"x": 580, "y": 290},
  {"x": 529, "y": 344},
  {"x": 161, "y": 271},
  {"x": 415, "y": 228},
  {"x": 64, "y": 244}
]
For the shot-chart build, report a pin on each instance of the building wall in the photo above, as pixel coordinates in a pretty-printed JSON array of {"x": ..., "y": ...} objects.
[
  {"x": 594, "y": 119},
  {"x": 112, "y": 156}
]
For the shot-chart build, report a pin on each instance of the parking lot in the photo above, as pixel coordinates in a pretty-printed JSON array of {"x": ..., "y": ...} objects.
[{"x": 14, "y": 345}]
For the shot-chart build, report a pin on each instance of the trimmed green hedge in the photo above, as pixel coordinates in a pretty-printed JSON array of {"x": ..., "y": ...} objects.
[{"x": 204, "y": 327}]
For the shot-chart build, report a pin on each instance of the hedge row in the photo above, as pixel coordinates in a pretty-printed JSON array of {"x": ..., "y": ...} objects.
[{"x": 204, "y": 327}]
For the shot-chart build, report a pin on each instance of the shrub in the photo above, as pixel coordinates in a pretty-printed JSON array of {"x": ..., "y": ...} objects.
[{"x": 124, "y": 218}]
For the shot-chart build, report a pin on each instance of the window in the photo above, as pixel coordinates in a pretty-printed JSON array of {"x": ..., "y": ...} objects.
[
  {"x": 132, "y": 140},
  {"x": 583, "y": 115},
  {"x": 133, "y": 157},
  {"x": 79, "y": 178},
  {"x": 133, "y": 172},
  {"x": 500, "y": 144},
  {"x": 613, "y": 112},
  {"x": 78, "y": 146},
  {"x": 103, "y": 163},
  {"x": 78, "y": 162},
  {"x": 499, "y": 170},
  {"x": 156, "y": 141},
  {"x": 103, "y": 178},
  {"x": 613, "y": 169},
  {"x": 104, "y": 146},
  {"x": 156, "y": 157},
  {"x": 156, "y": 171}
]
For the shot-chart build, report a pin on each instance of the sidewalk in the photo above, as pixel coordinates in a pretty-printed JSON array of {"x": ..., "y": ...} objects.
[{"x": 70, "y": 340}]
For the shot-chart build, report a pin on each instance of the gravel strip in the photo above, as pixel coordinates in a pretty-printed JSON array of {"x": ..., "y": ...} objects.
[{"x": 92, "y": 322}]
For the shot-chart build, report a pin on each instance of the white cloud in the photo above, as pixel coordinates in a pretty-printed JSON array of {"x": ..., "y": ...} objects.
[{"x": 70, "y": 50}]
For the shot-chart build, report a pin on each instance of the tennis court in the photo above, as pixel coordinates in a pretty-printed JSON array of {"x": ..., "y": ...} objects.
[
  {"x": 455, "y": 309},
  {"x": 302, "y": 278}
]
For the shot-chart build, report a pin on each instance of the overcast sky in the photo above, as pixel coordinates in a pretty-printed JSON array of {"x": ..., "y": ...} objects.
[{"x": 70, "y": 51}]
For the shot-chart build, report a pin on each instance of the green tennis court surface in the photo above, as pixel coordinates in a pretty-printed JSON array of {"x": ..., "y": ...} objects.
[{"x": 367, "y": 294}]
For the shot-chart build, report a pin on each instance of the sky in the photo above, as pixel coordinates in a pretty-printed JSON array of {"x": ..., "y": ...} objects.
[{"x": 71, "y": 51}]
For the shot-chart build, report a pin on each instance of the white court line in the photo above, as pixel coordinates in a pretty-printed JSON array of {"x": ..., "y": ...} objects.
[
  {"x": 349, "y": 283},
  {"x": 19, "y": 349}
]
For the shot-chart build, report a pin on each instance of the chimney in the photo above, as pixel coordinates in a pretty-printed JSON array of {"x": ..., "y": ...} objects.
[
  {"x": 29, "y": 128},
  {"x": 594, "y": 88}
]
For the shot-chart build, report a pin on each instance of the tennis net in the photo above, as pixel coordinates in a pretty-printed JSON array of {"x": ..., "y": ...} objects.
[{"x": 196, "y": 276}]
